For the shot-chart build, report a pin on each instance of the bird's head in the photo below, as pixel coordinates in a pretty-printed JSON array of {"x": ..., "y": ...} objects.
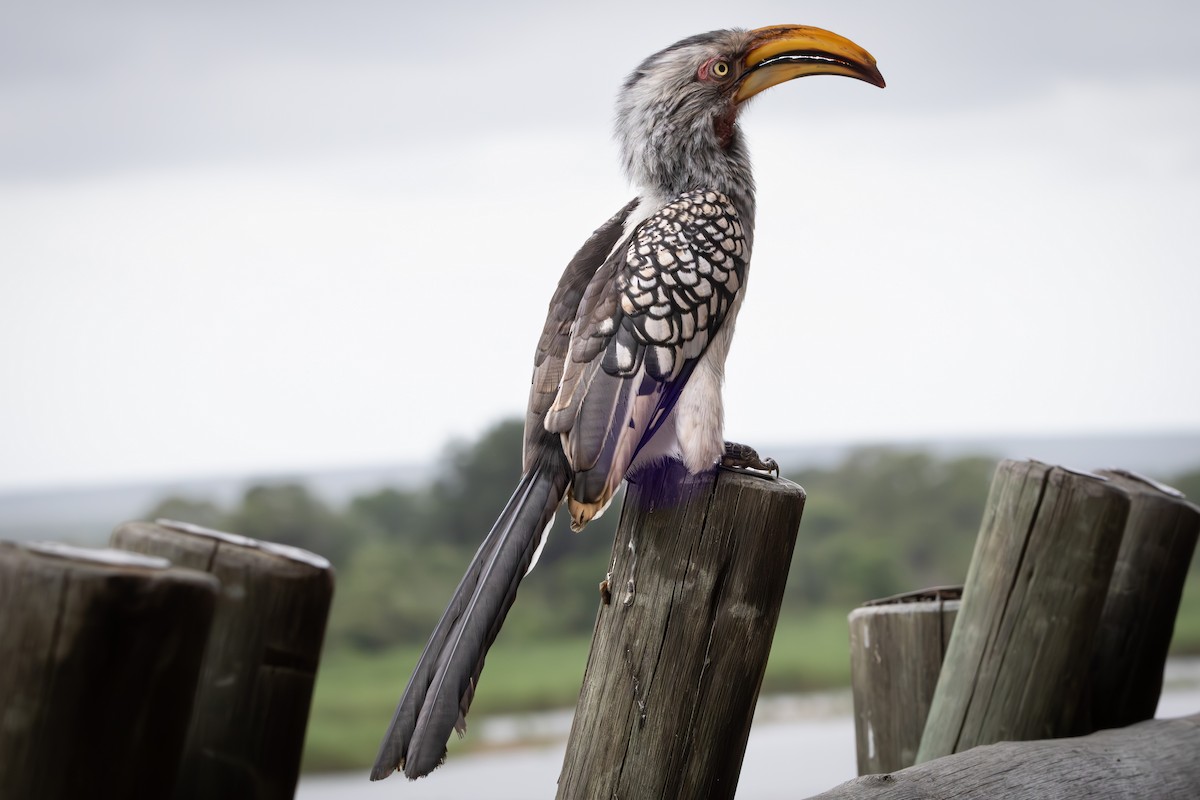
[{"x": 677, "y": 112}]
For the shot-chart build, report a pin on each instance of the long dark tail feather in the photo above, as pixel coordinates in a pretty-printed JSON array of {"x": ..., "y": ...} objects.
[{"x": 438, "y": 694}]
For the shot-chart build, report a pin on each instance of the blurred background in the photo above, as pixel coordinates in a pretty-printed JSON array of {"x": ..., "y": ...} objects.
[{"x": 279, "y": 268}]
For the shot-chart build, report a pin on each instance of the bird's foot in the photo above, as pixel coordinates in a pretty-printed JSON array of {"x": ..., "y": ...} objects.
[
  {"x": 630, "y": 585},
  {"x": 744, "y": 458}
]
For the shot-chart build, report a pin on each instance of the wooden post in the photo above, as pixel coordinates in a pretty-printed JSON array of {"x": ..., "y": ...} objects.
[
  {"x": 896, "y": 650},
  {"x": 99, "y": 655},
  {"x": 676, "y": 665},
  {"x": 1143, "y": 599},
  {"x": 1155, "y": 759},
  {"x": 1018, "y": 660},
  {"x": 247, "y": 729}
]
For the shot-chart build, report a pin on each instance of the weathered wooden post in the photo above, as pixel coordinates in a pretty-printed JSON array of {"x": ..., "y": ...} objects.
[
  {"x": 99, "y": 655},
  {"x": 1018, "y": 660},
  {"x": 1154, "y": 759},
  {"x": 247, "y": 728},
  {"x": 896, "y": 650},
  {"x": 676, "y": 663},
  {"x": 1143, "y": 599}
]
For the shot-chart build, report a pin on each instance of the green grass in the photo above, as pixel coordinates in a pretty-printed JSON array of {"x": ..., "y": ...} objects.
[
  {"x": 811, "y": 651},
  {"x": 1187, "y": 624},
  {"x": 357, "y": 692}
]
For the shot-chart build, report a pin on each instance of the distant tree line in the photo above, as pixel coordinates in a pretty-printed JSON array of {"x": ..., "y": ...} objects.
[{"x": 881, "y": 522}]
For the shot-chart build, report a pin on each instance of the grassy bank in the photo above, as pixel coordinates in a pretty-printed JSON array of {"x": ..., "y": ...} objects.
[
  {"x": 357, "y": 692},
  {"x": 1187, "y": 624}
]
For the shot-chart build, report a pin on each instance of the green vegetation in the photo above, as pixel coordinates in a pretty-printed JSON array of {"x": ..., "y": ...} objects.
[
  {"x": 881, "y": 522},
  {"x": 357, "y": 692},
  {"x": 1187, "y": 623}
]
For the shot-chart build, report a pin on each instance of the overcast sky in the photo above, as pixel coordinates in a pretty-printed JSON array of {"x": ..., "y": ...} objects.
[{"x": 280, "y": 235}]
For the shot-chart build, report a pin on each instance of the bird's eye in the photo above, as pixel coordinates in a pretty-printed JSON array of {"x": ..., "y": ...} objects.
[{"x": 715, "y": 69}]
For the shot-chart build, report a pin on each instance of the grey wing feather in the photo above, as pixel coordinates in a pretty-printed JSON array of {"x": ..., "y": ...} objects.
[
  {"x": 564, "y": 307},
  {"x": 643, "y": 323}
]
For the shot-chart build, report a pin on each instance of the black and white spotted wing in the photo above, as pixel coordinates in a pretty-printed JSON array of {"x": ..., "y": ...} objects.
[
  {"x": 681, "y": 274},
  {"x": 644, "y": 321}
]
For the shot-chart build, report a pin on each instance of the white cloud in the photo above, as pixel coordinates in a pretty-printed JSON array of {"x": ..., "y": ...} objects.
[{"x": 226, "y": 278}]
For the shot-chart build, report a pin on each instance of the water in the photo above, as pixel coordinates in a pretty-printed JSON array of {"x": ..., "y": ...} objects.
[
  {"x": 771, "y": 769},
  {"x": 799, "y": 746}
]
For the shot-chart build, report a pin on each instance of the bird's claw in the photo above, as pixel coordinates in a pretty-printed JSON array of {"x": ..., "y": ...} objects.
[{"x": 744, "y": 458}]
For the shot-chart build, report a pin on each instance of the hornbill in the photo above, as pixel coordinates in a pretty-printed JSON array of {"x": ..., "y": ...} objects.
[{"x": 629, "y": 367}]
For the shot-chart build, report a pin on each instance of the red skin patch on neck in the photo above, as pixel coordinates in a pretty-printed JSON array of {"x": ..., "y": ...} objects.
[{"x": 723, "y": 125}]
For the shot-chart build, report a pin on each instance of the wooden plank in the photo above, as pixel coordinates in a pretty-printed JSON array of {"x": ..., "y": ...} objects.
[
  {"x": 1155, "y": 759},
  {"x": 101, "y": 651},
  {"x": 675, "y": 669},
  {"x": 896, "y": 650},
  {"x": 1143, "y": 598},
  {"x": 247, "y": 731},
  {"x": 1018, "y": 660}
]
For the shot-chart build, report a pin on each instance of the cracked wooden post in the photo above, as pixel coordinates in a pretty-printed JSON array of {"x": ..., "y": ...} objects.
[
  {"x": 1143, "y": 599},
  {"x": 100, "y": 651},
  {"x": 252, "y": 702},
  {"x": 674, "y": 670},
  {"x": 1018, "y": 661},
  {"x": 1154, "y": 759},
  {"x": 896, "y": 649}
]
